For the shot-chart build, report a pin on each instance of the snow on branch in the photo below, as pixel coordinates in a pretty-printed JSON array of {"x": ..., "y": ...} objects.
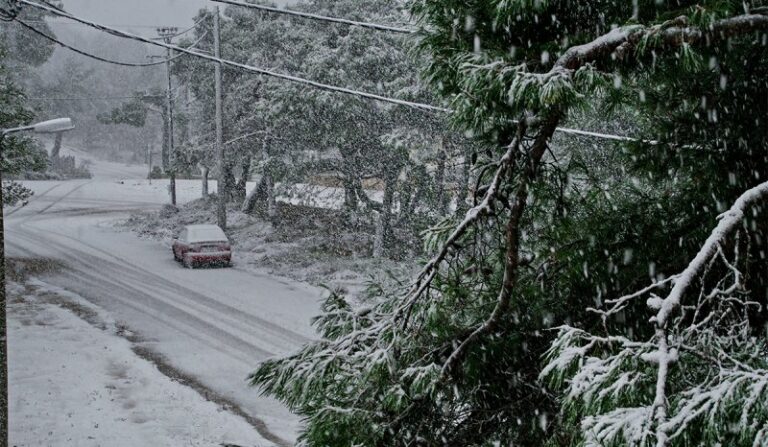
[
  {"x": 710, "y": 401},
  {"x": 674, "y": 33},
  {"x": 702, "y": 362},
  {"x": 728, "y": 222},
  {"x": 431, "y": 268},
  {"x": 512, "y": 245},
  {"x": 372, "y": 345},
  {"x": 627, "y": 423}
]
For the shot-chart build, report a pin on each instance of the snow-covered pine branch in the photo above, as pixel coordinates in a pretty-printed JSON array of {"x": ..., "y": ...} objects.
[
  {"x": 452, "y": 356},
  {"x": 429, "y": 271},
  {"x": 381, "y": 344},
  {"x": 703, "y": 362}
]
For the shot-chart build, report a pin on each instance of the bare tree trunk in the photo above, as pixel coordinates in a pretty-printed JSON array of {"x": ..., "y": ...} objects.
[
  {"x": 405, "y": 197},
  {"x": 463, "y": 193},
  {"x": 242, "y": 185},
  {"x": 262, "y": 198},
  {"x": 349, "y": 180},
  {"x": 383, "y": 240},
  {"x": 56, "y": 148},
  {"x": 441, "y": 195},
  {"x": 271, "y": 198},
  {"x": 420, "y": 181},
  {"x": 228, "y": 183},
  {"x": 350, "y": 193},
  {"x": 205, "y": 172},
  {"x": 268, "y": 180},
  {"x": 378, "y": 239}
]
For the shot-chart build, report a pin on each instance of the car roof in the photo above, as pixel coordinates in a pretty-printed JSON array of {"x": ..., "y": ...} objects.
[{"x": 205, "y": 233}]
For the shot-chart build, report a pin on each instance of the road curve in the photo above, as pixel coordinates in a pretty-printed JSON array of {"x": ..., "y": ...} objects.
[{"x": 215, "y": 325}]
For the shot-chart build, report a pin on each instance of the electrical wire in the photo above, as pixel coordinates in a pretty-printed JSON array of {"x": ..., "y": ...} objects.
[
  {"x": 99, "y": 58},
  {"x": 181, "y": 33},
  {"x": 244, "y": 67},
  {"x": 54, "y": 6},
  {"x": 299, "y": 80},
  {"x": 126, "y": 25},
  {"x": 605, "y": 136},
  {"x": 99, "y": 98},
  {"x": 306, "y": 15}
]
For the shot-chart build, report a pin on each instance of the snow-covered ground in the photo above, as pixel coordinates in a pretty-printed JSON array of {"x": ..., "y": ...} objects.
[
  {"x": 307, "y": 244},
  {"x": 74, "y": 384},
  {"x": 213, "y": 325}
]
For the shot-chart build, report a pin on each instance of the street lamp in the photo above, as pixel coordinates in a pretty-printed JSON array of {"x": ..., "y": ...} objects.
[{"x": 52, "y": 126}]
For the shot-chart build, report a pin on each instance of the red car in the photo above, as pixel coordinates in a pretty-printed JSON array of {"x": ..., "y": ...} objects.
[{"x": 202, "y": 245}]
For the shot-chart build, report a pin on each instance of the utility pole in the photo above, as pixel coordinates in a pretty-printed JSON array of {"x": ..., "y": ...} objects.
[
  {"x": 149, "y": 161},
  {"x": 167, "y": 34},
  {"x": 4, "y": 409},
  {"x": 221, "y": 209}
]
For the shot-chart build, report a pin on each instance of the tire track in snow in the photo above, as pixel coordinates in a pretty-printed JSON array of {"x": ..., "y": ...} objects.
[
  {"x": 182, "y": 320},
  {"x": 208, "y": 305},
  {"x": 33, "y": 213},
  {"x": 159, "y": 307},
  {"x": 33, "y": 199},
  {"x": 141, "y": 276},
  {"x": 56, "y": 202},
  {"x": 178, "y": 375},
  {"x": 108, "y": 287}
]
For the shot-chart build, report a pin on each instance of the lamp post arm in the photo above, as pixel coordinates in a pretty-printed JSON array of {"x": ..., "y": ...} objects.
[{"x": 5, "y": 132}]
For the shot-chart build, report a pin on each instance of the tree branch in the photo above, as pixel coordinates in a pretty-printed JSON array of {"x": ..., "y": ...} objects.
[
  {"x": 512, "y": 254},
  {"x": 430, "y": 270},
  {"x": 619, "y": 41},
  {"x": 664, "y": 356}
]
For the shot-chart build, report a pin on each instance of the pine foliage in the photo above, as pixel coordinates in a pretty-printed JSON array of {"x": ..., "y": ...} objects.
[{"x": 466, "y": 354}]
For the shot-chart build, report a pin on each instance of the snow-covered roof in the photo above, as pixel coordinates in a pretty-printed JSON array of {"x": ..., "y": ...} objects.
[{"x": 205, "y": 233}]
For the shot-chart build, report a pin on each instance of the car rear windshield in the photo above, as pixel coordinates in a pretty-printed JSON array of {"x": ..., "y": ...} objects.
[{"x": 206, "y": 234}]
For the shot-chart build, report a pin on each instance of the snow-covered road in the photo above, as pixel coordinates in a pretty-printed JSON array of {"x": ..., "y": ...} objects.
[{"x": 211, "y": 326}]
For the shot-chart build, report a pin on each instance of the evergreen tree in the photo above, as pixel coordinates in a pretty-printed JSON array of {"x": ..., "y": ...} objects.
[
  {"x": 556, "y": 229},
  {"x": 20, "y": 153}
]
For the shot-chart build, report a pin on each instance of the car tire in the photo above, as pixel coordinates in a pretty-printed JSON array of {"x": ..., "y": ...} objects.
[{"x": 188, "y": 263}]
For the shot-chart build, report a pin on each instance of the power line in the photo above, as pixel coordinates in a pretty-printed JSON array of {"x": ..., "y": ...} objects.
[
  {"x": 99, "y": 98},
  {"x": 307, "y": 15},
  {"x": 93, "y": 56},
  {"x": 181, "y": 33},
  {"x": 127, "y": 25},
  {"x": 52, "y": 5},
  {"x": 299, "y": 80},
  {"x": 245, "y": 67},
  {"x": 83, "y": 53},
  {"x": 605, "y": 136}
]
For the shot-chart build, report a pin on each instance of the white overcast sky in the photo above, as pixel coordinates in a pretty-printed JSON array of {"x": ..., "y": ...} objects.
[{"x": 142, "y": 12}]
